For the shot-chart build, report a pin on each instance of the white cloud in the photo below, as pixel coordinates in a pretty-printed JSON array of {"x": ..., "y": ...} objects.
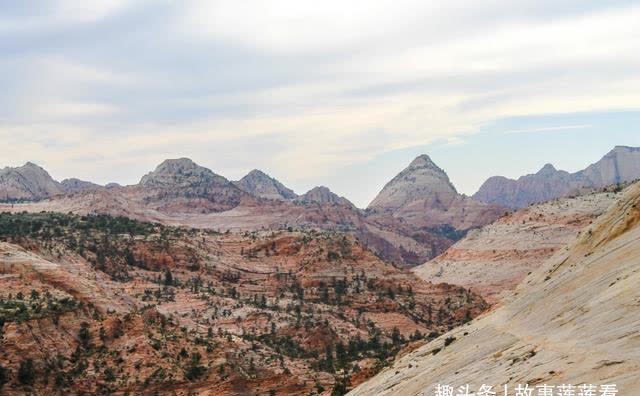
[{"x": 318, "y": 84}]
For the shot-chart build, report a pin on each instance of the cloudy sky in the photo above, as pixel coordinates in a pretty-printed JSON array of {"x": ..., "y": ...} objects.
[{"x": 339, "y": 93}]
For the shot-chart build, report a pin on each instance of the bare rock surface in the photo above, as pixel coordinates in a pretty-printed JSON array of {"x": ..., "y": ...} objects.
[
  {"x": 493, "y": 260},
  {"x": 75, "y": 185},
  {"x": 423, "y": 196},
  {"x": 323, "y": 195},
  {"x": 572, "y": 321},
  {"x": 260, "y": 184},
  {"x": 28, "y": 182}
]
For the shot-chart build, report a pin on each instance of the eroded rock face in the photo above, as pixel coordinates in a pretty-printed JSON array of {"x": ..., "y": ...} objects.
[
  {"x": 620, "y": 165},
  {"x": 322, "y": 195},
  {"x": 75, "y": 185},
  {"x": 493, "y": 260},
  {"x": 423, "y": 196},
  {"x": 28, "y": 182},
  {"x": 260, "y": 184},
  {"x": 572, "y": 321},
  {"x": 182, "y": 185},
  {"x": 181, "y": 173},
  {"x": 422, "y": 180}
]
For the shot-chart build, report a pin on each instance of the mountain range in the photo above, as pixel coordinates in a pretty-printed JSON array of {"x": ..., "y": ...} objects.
[
  {"x": 620, "y": 165},
  {"x": 416, "y": 216}
]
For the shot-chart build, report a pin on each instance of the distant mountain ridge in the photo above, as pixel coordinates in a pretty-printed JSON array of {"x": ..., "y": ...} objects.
[
  {"x": 179, "y": 191},
  {"x": 620, "y": 165}
]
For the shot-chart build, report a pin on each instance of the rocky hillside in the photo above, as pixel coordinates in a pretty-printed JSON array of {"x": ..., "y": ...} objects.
[
  {"x": 181, "y": 185},
  {"x": 572, "y": 321},
  {"x": 101, "y": 304},
  {"x": 180, "y": 192},
  {"x": 423, "y": 196},
  {"x": 493, "y": 260},
  {"x": 620, "y": 165},
  {"x": 27, "y": 183},
  {"x": 261, "y": 185}
]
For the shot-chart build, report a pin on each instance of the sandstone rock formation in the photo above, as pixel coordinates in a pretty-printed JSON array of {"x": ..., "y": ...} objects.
[
  {"x": 181, "y": 173},
  {"x": 493, "y": 260},
  {"x": 620, "y": 165},
  {"x": 323, "y": 195},
  {"x": 423, "y": 196},
  {"x": 182, "y": 185},
  {"x": 28, "y": 182},
  {"x": 74, "y": 185},
  {"x": 572, "y": 321},
  {"x": 260, "y": 184}
]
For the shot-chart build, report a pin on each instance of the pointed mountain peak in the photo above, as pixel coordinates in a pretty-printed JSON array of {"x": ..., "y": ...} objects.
[
  {"x": 420, "y": 180},
  {"x": 29, "y": 182},
  {"x": 547, "y": 169},
  {"x": 423, "y": 161},
  {"x": 261, "y": 185},
  {"x": 181, "y": 172},
  {"x": 258, "y": 173}
]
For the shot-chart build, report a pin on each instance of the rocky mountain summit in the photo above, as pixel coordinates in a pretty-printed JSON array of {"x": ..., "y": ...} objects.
[
  {"x": 74, "y": 185},
  {"x": 181, "y": 173},
  {"x": 322, "y": 195},
  {"x": 28, "y": 182},
  {"x": 423, "y": 196},
  {"x": 620, "y": 165},
  {"x": 421, "y": 180},
  {"x": 181, "y": 185},
  {"x": 261, "y": 185}
]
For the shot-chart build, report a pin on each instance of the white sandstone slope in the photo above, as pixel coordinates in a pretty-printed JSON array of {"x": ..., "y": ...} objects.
[
  {"x": 493, "y": 260},
  {"x": 573, "y": 321}
]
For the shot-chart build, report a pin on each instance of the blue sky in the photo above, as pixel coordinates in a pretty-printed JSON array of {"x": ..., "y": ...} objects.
[{"x": 337, "y": 93}]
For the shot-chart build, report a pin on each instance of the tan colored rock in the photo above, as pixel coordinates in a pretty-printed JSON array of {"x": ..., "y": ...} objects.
[
  {"x": 28, "y": 182},
  {"x": 259, "y": 184},
  {"x": 423, "y": 197},
  {"x": 493, "y": 260},
  {"x": 322, "y": 195},
  {"x": 572, "y": 321}
]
